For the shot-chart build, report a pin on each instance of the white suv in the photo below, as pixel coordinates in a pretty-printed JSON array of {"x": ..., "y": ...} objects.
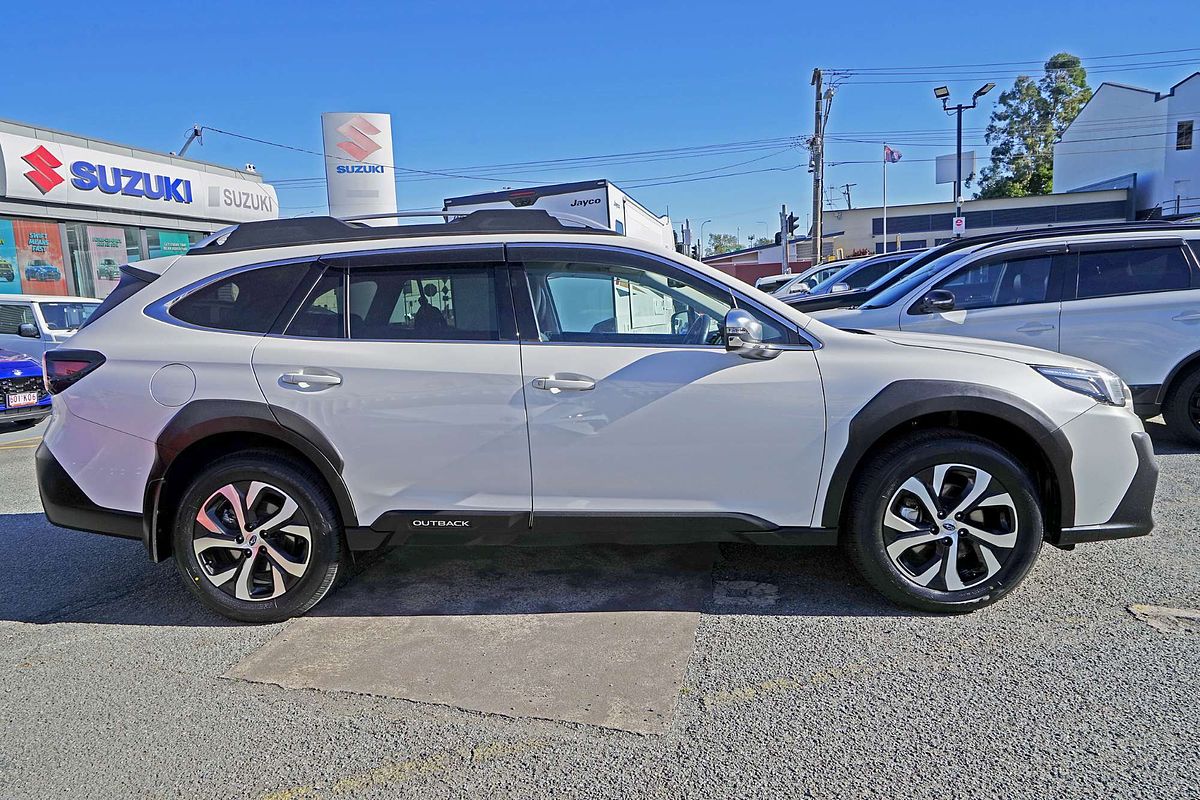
[
  {"x": 1124, "y": 296},
  {"x": 291, "y": 391}
]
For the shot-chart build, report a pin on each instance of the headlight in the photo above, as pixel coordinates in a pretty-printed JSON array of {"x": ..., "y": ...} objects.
[{"x": 1100, "y": 385}]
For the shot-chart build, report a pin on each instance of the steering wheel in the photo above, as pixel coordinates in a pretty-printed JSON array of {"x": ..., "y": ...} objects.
[{"x": 697, "y": 332}]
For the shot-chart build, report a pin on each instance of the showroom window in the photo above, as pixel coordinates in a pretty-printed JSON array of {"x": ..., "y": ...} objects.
[
  {"x": 161, "y": 243},
  {"x": 97, "y": 253}
]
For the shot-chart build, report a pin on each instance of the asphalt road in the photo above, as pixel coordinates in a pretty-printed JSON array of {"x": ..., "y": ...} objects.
[{"x": 801, "y": 683}]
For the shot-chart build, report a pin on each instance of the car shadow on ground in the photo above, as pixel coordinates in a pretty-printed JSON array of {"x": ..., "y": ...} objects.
[{"x": 1167, "y": 443}]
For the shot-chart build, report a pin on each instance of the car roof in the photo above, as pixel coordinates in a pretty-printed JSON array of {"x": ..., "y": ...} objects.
[{"x": 47, "y": 298}]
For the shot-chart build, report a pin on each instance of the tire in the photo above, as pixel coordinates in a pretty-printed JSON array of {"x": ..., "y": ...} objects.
[
  {"x": 292, "y": 565},
  {"x": 1181, "y": 411},
  {"x": 903, "y": 548}
]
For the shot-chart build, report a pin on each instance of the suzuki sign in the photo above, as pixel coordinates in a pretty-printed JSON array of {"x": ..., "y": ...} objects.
[
  {"x": 50, "y": 172},
  {"x": 359, "y": 172}
]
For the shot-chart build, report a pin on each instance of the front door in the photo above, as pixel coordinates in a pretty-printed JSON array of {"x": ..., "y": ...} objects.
[
  {"x": 408, "y": 363},
  {"x": 1011, "y": 298},
  {"x": 638, "y": 417}
]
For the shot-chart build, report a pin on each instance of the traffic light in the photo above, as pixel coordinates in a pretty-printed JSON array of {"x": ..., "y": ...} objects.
[
  {"x": 778, "y": 237},
  {"x": 792, "y": 223}
]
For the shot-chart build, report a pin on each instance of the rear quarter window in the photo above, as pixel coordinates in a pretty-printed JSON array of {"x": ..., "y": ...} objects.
[{"x": 246, "y": 302}]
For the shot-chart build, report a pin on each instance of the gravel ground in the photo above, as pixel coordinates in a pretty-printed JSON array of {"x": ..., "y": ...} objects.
[{"x": 802, "y": 683}]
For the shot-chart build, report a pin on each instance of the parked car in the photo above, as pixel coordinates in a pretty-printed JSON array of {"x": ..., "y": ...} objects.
[
  {"x": 1126, "y": 297},
  {"x": 24, "y": 400},
  {"x": 859, "y": 274},
  {"x": 292, "y": 391},
  {"x": 31, "y": 323},
  {"x": 40, "y": 270},
  {"x": 803, "y": 283},
  {"x": 769, "y": 283},
  {"x": 108, "y": 270},
  {"x": 7, "y": 273}
]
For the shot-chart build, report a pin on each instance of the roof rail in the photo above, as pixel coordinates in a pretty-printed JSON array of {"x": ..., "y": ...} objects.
[{"x": 328, "y": 230}]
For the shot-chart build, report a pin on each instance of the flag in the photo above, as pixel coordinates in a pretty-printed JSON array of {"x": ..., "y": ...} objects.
[{"x": 891, "y": 156}]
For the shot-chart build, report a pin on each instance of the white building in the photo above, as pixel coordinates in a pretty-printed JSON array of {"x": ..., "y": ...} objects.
[{"x": 1140, "y": 139}]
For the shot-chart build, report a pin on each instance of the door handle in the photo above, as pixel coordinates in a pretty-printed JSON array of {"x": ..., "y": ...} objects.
[
  {"x": 1187, "y": 316},
  {"x": 565, "y": 382},
  {"x": 1035, "y": 327},
  {"x": 310, "y": 380}
]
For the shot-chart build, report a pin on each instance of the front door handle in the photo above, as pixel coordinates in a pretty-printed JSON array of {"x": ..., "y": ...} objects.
[
  {"x": 565, "y": 382},
  {"x": 1035, "y": 327},
  {"x": 1187, "y": 316},
  {"x": 310, "y": 380}
]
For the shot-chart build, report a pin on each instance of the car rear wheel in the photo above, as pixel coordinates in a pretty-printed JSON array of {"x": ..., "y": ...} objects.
[
  {"x": 1181, "y": 411},
  {"x": 944, "y": 521},
  {"x": 257, "y": 538}
]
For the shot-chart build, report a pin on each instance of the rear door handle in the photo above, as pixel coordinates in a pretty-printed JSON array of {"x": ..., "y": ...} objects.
[
  {"x": 311, "y": 380},
  {"x": 565, "y": 382},
  {"x": 1187, "y": 316},
  {"x": 1035, "y": 327}
]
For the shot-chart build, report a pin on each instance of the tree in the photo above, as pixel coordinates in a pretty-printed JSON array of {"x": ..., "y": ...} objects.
[
  {"x": 761, "y": 241},
  {"x": 722, "y": 243},
  {"x": 1027, "y": 121}
]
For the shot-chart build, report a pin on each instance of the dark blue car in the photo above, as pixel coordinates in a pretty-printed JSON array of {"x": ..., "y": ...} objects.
[{"x": 23, "y": 396}]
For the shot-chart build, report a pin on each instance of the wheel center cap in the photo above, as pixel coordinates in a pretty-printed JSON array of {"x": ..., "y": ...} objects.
[
  {"x": 253, "y": 540},
  {"x": 946, "y": 525}
]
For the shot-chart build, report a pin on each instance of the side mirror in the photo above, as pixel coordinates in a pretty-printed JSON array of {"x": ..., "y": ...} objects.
[
  {"x": 839, "y": 287},
  {"x": 937, "y": 300},
  {"x": 743, "y": 335},
  {"x": 29, "y": 330}
]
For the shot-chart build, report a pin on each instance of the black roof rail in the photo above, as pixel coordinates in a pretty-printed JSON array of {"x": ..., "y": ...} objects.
[{"x": 330, "y": 230}]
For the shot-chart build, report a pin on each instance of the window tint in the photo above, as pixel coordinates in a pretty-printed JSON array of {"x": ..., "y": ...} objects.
[
  {"x": 426, "y": 302},
  {"x": 323, "y": 313},
  {"x": 608, "y": 303},
  {"x": 1112, "y": 272},
  {"x": 247, "y": 302},
  {"x": 1000, "y": 283},
  {"x": 12, "y": 317}
]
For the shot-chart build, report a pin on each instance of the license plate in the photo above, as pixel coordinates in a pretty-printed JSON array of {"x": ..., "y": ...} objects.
[{"x": 22, "y": 399}]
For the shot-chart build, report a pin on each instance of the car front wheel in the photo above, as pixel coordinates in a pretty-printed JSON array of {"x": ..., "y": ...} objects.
[
  {"x": 257, "y": 537},
  {"x": 944, "y": 521}
]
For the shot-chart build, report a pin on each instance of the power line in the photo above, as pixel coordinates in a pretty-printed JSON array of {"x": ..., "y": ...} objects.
[{"x": 1020, "y": 63}]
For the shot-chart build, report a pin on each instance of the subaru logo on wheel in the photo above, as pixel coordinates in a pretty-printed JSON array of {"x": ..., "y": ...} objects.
[{"x": 948, "y": 526}]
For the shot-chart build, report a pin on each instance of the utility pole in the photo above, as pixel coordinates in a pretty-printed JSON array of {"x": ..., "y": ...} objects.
[
  {"x": 817, "y": 147},
  {"x": 783, "y": 238},
  {"x": 846, "y": 192}
]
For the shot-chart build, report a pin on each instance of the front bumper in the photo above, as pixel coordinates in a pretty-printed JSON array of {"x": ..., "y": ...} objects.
[
  {"x": 1133, "y": 515},
  {"x": 68, "y": 507}
]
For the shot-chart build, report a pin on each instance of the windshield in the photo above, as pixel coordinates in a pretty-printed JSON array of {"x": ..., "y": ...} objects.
[
  {"x": 66, "y": 316},
  {"x": 898, "y": 290}
]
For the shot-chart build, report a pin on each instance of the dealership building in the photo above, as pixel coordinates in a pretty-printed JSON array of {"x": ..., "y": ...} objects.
[{"x": 73, "y": 209}]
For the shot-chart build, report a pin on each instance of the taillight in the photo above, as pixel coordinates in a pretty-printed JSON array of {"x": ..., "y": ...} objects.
[{"x": 62, "y": 368}]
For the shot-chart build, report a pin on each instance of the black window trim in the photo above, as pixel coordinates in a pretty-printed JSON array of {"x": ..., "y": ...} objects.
[
  {"x": 1055, "y": 287},
  {"x": 521, "y": 252},
  {"x": 1070, "y": 286},
  {"x": 160, "y": 309}
]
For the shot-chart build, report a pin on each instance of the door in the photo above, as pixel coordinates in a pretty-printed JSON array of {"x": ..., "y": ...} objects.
[
  {"x": 1011, "y": 298},
  {"x": 408, "y": 363},
  {"x": 1132, "y": 308},
  {"x": 639, "y": 419},
  {"x": 12, "y": 316}
]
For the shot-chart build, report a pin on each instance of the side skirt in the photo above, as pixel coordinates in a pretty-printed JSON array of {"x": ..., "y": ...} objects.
[{"x": 486, "y": 528}]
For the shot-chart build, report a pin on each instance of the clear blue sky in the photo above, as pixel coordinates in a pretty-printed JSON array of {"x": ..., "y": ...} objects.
[{"x": 473, "y": 84}]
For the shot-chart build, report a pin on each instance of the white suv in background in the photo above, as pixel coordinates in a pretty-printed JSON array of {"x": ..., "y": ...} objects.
[
  {"x": 1126, "y": 297},
  {"x": 289, "y": 391},
  {"x": 32, "y": 323}
]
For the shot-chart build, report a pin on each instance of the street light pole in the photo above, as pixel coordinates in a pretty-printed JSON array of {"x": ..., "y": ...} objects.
[
  {"x": 703, "y": 245},
  {"x": 943, "y": 93}
]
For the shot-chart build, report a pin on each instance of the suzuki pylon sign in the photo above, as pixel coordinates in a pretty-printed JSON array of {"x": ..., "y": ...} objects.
[{"x": 360, "y": 175}]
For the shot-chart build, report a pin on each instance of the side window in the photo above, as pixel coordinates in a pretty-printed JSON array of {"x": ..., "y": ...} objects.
[
  {"x": 610, "y": 303},
  {"x": 1105, "y": 273},
  {"x": 13, "y": 316},
  {"x": 445, "y": 303},
  {"x": 1010, "y": 282},
  {"x": 247, "y": 302},
  {"x": 322, "y": 315}
]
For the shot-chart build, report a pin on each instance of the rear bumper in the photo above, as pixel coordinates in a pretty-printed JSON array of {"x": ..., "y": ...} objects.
[
  {"x": 1133, "y": 516},
  {"x": 68, "y": 507}
]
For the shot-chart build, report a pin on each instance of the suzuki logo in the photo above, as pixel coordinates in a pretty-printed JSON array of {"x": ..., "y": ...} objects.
[
  {"x": 43, "y": 175},
  {"x": 359, "y": 133}
]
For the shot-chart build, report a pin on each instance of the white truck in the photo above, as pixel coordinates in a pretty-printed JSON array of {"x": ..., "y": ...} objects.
[{"x": 599, "y": 201}]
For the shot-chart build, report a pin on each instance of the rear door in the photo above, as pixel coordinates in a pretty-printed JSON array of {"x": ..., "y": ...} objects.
[
  {"x": 1133, "y": 307},
  {"x": 1012, "y": 297},
  {"x": 408, "y": 363}
]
